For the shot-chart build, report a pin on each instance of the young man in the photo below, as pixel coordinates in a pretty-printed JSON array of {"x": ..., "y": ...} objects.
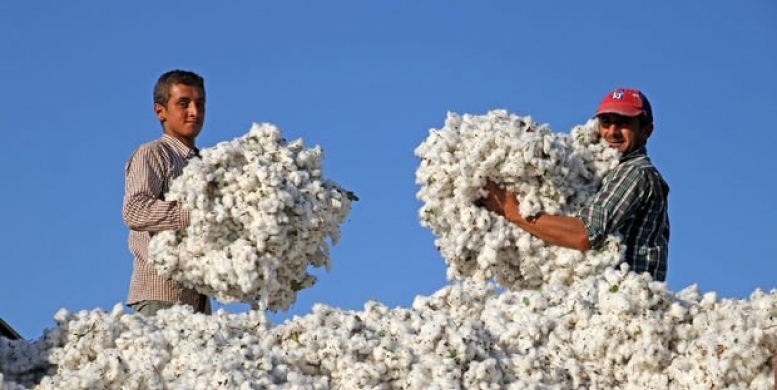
[
  {"x": 632, "y": 200},
  {"x": 179, "y": 104}
]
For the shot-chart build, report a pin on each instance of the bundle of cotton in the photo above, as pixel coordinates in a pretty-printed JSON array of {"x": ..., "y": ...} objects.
[
  {"x": 617, "y": 330},
  {"x": 260, "y": 213},
  {"x": 549, "y": 172}
]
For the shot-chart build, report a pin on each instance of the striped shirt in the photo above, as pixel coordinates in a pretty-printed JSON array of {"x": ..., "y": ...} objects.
[
  {"x": 633, "y": 203},
  {"x": 148, "y": 174}
]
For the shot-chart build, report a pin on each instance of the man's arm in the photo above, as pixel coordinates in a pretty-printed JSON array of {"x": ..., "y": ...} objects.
[
  {"x": 143, "y": 208},
  {"x": 569, "y": 232}
]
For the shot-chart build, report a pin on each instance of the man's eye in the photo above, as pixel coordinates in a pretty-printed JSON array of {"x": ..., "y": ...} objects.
[{"x": 613, "y": 121}]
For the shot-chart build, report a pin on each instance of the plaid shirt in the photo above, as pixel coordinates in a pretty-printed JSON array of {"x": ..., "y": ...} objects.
[
  {"x": 633, "y": 203},
  {"x": 148, "y": 174}
]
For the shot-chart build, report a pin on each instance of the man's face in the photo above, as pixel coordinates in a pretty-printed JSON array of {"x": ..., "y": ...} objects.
[
  {"x": 184, "y": 114},
  {"x": 624, "y": 133}
]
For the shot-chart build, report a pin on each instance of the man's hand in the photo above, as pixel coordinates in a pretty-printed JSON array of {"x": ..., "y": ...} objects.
[
  {"x": 569, "y": 232},
  {"x": 501, "y": 201}
]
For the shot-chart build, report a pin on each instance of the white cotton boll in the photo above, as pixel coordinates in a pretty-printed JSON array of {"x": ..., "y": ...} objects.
[
  {"x": 530, "y": 205},
  {"x": 677, "y": 312},
  {"x": 614, "y": 302},
  {"x": 709, "y": 299}
]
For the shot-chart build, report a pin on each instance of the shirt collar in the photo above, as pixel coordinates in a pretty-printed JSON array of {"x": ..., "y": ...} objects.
[
  {"x": 634, "y": 154},
  {"x": 180, "y": 147}
]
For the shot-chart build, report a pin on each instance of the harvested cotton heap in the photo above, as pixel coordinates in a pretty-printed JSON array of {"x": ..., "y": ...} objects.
[
  {"x": 617, "y": 330},
  {"x": 261, "y": 212},
  {"x": 553, "y": 173}
]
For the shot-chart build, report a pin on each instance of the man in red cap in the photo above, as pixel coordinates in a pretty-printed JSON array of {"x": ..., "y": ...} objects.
[{"x": 632, "y": 201}]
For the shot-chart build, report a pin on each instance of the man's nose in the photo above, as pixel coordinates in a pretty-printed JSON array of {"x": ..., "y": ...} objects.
[
  {"x": 194, "y": 110},
  {"x": 611, "y": 129}
]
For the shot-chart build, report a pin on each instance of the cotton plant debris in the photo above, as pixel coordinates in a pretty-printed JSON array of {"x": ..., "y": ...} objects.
[
  {"x": 600, "y": 327},
  {"x": 261, "y": 212},
  {"x": 550, "y": 172}
]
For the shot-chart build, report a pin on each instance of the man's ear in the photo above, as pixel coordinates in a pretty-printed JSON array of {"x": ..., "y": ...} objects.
[
  {"x": 647, "y": 130},
  {"x": 160, "y": 111}
]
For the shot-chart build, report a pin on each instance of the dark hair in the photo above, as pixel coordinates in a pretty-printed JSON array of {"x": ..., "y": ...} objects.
[
  {"x": 647, "y": 110},
  {"x": 177, "y": 76}
]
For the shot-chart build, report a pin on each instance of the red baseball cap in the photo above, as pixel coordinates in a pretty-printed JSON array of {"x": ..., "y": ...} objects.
[{"x": 627, "y": 102}]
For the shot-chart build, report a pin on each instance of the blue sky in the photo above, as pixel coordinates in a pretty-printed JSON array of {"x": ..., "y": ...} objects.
[{"x": 366, "y": 80}]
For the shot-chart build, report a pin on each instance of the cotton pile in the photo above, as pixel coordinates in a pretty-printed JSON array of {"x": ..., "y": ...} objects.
[
  {"x": 261, "y": 212},
  {"x": 586, "y": 322},
  {"x": 550, "y": 172},
  {"x": 613, "y": 331}
]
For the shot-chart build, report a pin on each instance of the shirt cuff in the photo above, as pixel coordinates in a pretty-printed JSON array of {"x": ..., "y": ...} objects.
[
  {"x": 185, "y": 219},
  {"x": 593, "y": 230}
]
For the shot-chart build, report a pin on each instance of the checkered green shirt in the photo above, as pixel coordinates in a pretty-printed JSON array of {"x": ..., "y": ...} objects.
[{"x": 633, "y": 203}]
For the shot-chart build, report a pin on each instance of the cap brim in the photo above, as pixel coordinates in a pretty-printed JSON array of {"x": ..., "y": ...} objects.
[{"x": 620, "y": 109}]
